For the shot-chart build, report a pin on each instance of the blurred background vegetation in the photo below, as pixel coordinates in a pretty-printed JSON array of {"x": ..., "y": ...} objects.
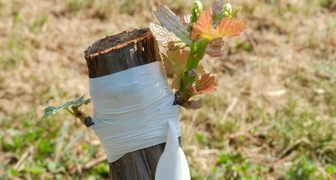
[{"x": 274, "y": 116}]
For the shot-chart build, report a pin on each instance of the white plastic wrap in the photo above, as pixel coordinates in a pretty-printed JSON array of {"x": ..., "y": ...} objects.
[
  {"x": 132, "y": 110},
  {"x": 173, "y": 164}
]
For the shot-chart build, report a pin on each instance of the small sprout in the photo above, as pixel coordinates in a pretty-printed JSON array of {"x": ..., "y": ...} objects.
[
  {"x": 74, "y": 104},
  {"x": 203, "y": 34}
]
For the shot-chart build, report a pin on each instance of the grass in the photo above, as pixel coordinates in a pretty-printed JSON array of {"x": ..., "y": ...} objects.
[
  {"x": 273, "y": 117},
  {"x": 329, "y": 4},
  {"x": 38, "y": 23}
]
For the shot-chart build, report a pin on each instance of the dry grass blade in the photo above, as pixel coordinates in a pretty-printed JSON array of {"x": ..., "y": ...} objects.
[{"x": 21, "y": 161}]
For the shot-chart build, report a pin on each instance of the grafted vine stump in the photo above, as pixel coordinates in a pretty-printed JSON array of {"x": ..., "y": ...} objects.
[{"x": 117, "y": 53}]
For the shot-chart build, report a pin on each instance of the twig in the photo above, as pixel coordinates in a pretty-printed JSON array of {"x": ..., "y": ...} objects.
[
  {"x": 94, "y": 162},
  {"x": 85, "y": 119},
  {"x": 60, "y": 140},
  {"x": 275, "y": 164},
  {"x": 70, "y": 111},
  {"x": 19, "y": 164},
  {"x": 292, "y": 147},
  {"x": 74, "y": 139},
  {"x": 229, "y": 109},
  {"x": 252, "y": 42}
]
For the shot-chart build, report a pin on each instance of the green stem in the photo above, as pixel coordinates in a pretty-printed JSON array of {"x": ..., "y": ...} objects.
[
  {"x": 197, "y": 50},
  {"x": 70, "y": 112}
]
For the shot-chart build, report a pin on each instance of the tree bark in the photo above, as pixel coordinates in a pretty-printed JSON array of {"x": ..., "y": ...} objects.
[{"x": 117, "y": 53}]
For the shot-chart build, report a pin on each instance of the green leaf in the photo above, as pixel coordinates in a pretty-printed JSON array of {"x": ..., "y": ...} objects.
[
  {"x": 55, "y": 167},
  {"x": 11, "y": 172},
  {"x": 331, "y": 169},
  {"x": 51, "y": 110},
  {"x": 45, "y": 147},
  {"x": 36, "y": 170}
]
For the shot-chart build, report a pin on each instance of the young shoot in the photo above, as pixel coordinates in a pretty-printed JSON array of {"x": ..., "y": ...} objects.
[{"x": 187, "y": 42}]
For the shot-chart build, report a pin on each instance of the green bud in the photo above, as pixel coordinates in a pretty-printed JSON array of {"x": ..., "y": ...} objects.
[
  {"x": 196, "y": 11},
  {"x": 227, "y": 10},
  {"x": 235, "y": 13},
  {"x": 192, "y": 73},
  {"x": 220, "y": 11}
]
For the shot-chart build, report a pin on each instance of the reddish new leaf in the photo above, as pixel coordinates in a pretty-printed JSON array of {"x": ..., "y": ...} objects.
[
  {"x": 203, "y": 28},
  {"x": 227, "y": 27},
  {"x": 231, "y": 27},
  {"x": 207, "y": 84},
  {"x": 214, "y": 47},
  {"x": 175, "y": 63}
]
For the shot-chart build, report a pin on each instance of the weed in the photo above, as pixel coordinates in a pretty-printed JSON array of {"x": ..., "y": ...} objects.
[
  {"x": 2, "y": 5},
  {"x": 74, "y": 6},
  {"x": 304, "y": 168},
  {"x": 233, "y": 166},
  {"x": 101, "y": 170},
  {"x": 246, "y": 46},
  {"x": 329, "y": 4},
  {"x": 38, "y": 23}
]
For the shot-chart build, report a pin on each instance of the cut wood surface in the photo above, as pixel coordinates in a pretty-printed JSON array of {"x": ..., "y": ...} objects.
[
  {"x": 114, "y": 54},
  {"x": 120, "y": 52}
]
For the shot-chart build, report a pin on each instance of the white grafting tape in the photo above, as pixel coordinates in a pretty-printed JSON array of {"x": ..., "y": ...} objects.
[{"x": 132, "y": 109}]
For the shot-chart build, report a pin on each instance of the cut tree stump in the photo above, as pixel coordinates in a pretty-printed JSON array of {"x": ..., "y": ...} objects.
[{"x": 117, "y": 53}]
